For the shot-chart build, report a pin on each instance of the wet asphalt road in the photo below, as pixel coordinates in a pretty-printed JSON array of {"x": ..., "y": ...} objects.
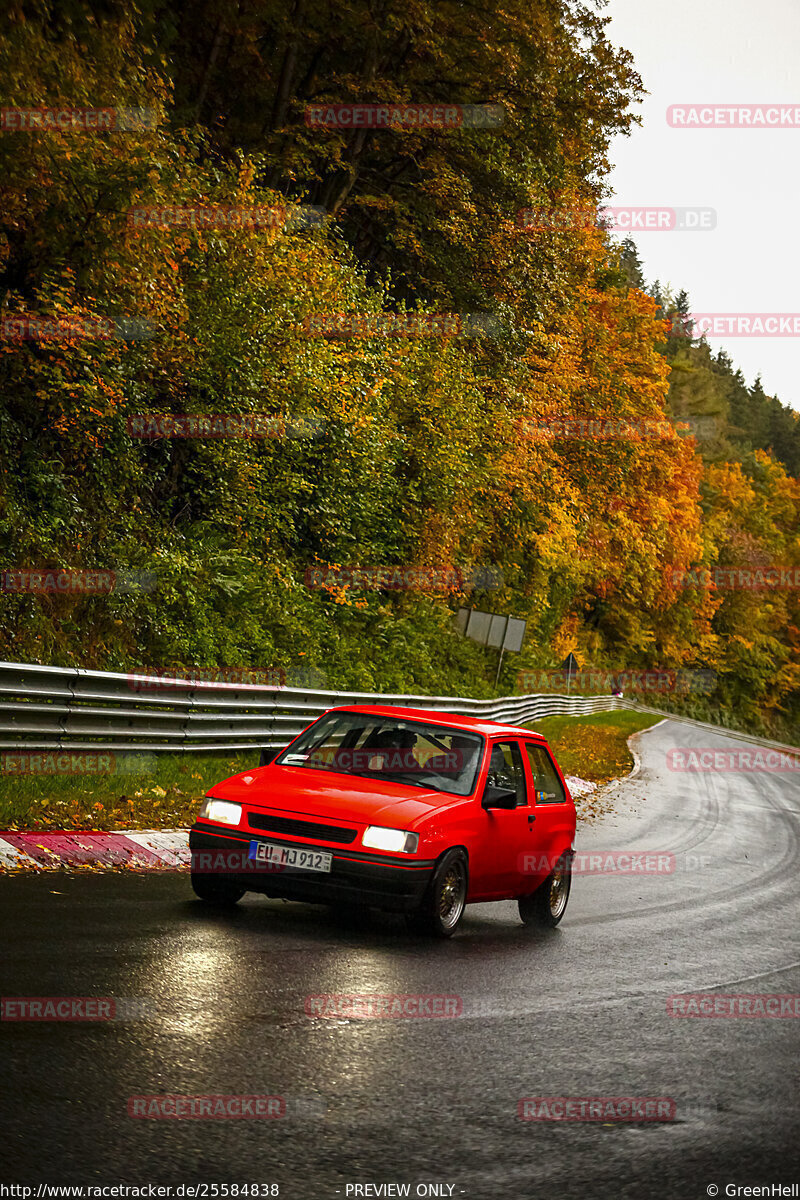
[{"x": 579, "y": 1011}]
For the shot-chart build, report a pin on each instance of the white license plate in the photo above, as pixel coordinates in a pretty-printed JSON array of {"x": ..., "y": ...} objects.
[{"x": 291, "y": 856}]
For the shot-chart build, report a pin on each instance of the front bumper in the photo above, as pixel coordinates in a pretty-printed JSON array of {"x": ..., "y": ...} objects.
[{"x": 356, "y": 877}]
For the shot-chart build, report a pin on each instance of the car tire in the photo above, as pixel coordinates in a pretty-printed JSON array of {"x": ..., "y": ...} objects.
[
  {"x": 216, "y": 890},
  {"x": 546, "y": 906},
  {"x": 443, "y": 905}
]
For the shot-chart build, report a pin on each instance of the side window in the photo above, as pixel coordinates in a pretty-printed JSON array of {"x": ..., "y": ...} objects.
[
  {"x": 506, "y": 770},
  {"x": 546, "y": 783}
]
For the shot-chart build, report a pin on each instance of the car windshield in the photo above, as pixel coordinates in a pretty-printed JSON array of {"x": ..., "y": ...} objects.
[{"x": 415, "y": 753}]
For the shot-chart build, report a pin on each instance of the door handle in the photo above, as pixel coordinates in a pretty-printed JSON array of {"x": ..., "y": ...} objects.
[{"x": 531, "y": 818}]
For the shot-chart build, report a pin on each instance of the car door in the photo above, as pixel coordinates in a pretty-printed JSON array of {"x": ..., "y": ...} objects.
[
  {"x": 505, "y": 832},
  {"x": 552, "y": 816}
]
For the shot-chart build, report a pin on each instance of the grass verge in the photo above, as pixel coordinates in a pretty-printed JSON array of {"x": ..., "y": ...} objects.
[
  {"x": 140, "y": 791},
  {"x": 594, "y": 748},
  {"x": 163, "y": 791}
]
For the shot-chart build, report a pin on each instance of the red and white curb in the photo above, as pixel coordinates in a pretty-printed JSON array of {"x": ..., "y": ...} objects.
[
  {"x": 134, "y": 849},
  {"x": 579, "y": 787},
  {"x": 154, "y": 849},
  {"x": 131, "y": 849}
]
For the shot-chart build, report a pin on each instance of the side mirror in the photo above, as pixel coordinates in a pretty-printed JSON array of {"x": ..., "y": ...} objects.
[
  {"x": 268, "y": 753},
  {"x": 494, "y": 797}
]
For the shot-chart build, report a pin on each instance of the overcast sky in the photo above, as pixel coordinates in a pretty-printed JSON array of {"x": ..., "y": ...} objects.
[{"x": 724, "y": 52}]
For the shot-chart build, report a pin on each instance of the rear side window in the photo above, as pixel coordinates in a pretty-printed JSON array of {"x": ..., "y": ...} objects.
[{"x": 547, "y": 785}]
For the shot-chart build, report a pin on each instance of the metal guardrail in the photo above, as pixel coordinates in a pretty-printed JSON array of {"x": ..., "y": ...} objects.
[
  {"x": 766, "y": 743},
  {"x": 67, "y": 708}
]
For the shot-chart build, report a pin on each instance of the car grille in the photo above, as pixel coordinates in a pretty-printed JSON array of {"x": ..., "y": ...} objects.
[{"x": 309, "y": 829}]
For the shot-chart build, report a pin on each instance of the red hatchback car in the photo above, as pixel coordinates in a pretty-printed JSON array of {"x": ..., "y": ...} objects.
[{"x": 403, "y": 809}]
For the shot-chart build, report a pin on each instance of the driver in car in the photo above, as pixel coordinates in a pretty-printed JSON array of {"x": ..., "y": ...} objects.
[{"x": 393, "y": 750}]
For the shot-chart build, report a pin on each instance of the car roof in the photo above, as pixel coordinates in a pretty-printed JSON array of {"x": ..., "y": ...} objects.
[{"x": 469, "y": 724}]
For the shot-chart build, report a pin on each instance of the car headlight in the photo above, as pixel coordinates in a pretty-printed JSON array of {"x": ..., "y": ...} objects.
[
  {"x": 221, "y": 810},
  {"x": 378, "y": 838}
]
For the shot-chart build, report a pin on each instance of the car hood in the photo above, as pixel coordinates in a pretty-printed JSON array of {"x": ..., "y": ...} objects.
[{"x": 328, "y": 794}]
